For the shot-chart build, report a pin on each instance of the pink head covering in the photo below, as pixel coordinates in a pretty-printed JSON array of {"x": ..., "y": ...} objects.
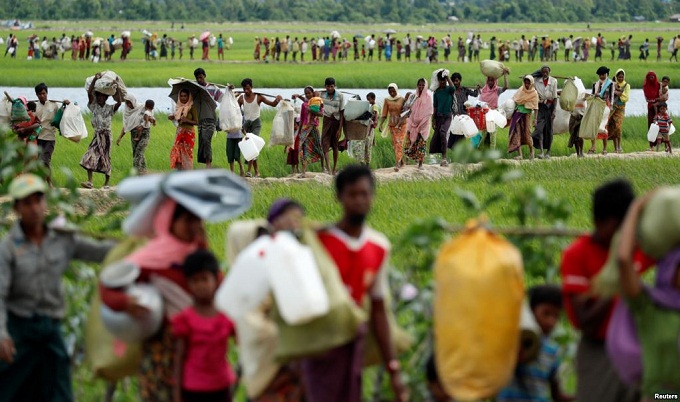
[
  {"x": 164, "y": 250},
  {"x": 420, "y": 120},
  {"x": 490, "y": 95}
]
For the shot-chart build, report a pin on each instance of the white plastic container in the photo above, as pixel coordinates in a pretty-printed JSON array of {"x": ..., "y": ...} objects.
[
  {"x": 469, "y": 126},
  {"x": 653, "y": 132},
  {"x": 295, "y": 280},
  {"x": 456, "y": 127},
  {"x": 491, "y": 126},
  {"x": 495, "y": 118},
  {"x": 250, "y": 146},
  {"x": 247, "y": 283}
]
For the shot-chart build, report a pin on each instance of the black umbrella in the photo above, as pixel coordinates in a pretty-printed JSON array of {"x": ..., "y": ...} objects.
[{"x": 202, "y": 98}]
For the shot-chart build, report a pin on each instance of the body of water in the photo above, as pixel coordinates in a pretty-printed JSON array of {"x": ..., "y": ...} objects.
[{"x": 635, "y": 107}]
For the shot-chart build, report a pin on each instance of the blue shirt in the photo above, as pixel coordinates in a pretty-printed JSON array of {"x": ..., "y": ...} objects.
[{"x": 531, "y": 382}]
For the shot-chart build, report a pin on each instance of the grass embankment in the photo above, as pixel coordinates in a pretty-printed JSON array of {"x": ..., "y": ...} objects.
[{"x": 239, "y": 64}]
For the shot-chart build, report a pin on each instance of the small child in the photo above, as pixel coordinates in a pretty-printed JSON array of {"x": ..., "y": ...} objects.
[
  {"x": 28, "y": 131},
  {"x": 663, "y": 92},
  {"x": 538, "y": 380},
  {"x": 363, "y": 52},
  {"x": 315, "y": 104},
  {"x": 141, "y": 140},
  {"x": 202, "y": 372},
  {"x": 664, "y": 121}
]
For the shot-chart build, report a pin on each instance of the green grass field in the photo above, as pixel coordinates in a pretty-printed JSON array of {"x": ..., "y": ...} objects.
[
  {"x": 398, "y": 203},
  {"x": 136, "y": 72}
]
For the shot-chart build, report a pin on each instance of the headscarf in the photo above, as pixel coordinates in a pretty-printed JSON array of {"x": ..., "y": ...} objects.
[
  {"x": 527, "y": 97},
  {"x": 279, "y": 207},
  {"x": 182, "y": 109},
  {"x": 651, "y": 87},
  {"x": 164, "y": 250},
  {"x": 490, "y": 95},
  {"x": 420, "y": 120},
  {"x": 132, "y": 117},
  {"x": 396, "y": 88},
  {"x": 625, "y": 95}
]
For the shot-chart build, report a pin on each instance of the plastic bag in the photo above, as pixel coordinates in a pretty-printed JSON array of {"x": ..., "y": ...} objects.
[
  {"x": 509, "y": 107},
  {"x": 56, "y": 121},
  {"x": 479, "y": 290},
  {"x": 561, "y": 121},
  {"x": 283, "y": 126},
  {"x": 579, "y": 86},
  {"x": 603, "y": 122},
  {"x": 592, "y": 119},
  {"x": 230, "y": 112},
  {"x": 72, "y": 125},
  {"x": 607, "y": 282},
  {"x": 568, "y": 96},
  {"x": 434, "y": 80},
  {"x": 492, "y": 68},
  {"x": 109, "y": 84},
  {"x": 19, "y": 113}
]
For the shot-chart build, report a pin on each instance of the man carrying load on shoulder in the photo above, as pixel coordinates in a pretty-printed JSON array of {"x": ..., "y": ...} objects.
[{"x": 46, "y": 110}]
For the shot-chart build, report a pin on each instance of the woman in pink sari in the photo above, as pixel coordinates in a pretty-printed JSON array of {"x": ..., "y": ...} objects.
[{"x": 419, "y": 123}]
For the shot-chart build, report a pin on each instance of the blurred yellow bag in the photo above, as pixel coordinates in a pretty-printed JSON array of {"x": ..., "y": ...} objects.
[
  {"x": 479, "y": 291},
  {"x": 110, "y": 358}
]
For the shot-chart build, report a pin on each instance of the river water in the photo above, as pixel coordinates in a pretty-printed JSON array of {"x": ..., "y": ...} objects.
[{"x": 635, "y": 107}]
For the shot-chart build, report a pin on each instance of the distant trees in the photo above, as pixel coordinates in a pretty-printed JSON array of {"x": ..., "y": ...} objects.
[{"x": 360, "y": 11}]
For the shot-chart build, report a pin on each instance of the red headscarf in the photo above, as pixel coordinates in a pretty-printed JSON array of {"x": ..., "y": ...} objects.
[{"x": 651, "y": 87}]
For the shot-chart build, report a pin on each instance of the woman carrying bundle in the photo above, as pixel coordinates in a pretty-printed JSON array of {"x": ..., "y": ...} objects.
[
  {"x": 526, "y": 100},
  {"x": 392, "y": 108}
]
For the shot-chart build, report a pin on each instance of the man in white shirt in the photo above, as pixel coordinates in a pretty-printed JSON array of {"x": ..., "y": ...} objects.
[
  {"x": 45, "y": 110},
  {"x": 568, "y": 45},
  {"x": 546, "y": 86}
]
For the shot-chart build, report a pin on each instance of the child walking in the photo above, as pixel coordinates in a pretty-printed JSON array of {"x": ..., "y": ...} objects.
[
  {"x": 201, "y": 370},
  {"x": 186, "y": 116},
  {"x": 664, "y": 121},
  {"x": 141, "y": 140},
  {"x": 292, "y": 154},
  {"x": 98, "y": 155},
  {"x": 538, "y": 380}
]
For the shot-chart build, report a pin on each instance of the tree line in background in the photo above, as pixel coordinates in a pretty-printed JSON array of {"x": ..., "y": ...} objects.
[{"x": 358, "y": 11}]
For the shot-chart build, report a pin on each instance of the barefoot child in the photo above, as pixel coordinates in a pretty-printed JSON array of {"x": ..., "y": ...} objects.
[
  {"x": 186, "y": 116},
  {"x": 141, "y": 140},
  {"x": 98, "y": 155},
  {"x": 664, "y": 121},
  {"x": 201, "y": 370}
]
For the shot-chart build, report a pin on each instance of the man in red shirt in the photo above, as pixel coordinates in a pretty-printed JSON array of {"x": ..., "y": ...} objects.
[
  {"x": 361, "y": 255},
  {"x": 581, "y": 262}
]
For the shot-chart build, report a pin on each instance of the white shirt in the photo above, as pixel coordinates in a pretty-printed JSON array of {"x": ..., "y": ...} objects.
[
  {"x": 46, "y": 113},
  {"x": 548, "y": 92}
]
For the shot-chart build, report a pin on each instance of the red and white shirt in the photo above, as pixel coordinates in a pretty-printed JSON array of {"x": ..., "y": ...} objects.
[{"x": 362, "y": 262}]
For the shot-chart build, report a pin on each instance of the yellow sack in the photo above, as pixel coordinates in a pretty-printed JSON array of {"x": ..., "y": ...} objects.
[
  {"x": 479, "y": 291},
  {"x": 110, "y": 358}
]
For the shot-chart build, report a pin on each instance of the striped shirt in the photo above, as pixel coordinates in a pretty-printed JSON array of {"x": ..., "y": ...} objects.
[
  {"x": 531, "y": 382},
  {"x": 664, "y": 122}
]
